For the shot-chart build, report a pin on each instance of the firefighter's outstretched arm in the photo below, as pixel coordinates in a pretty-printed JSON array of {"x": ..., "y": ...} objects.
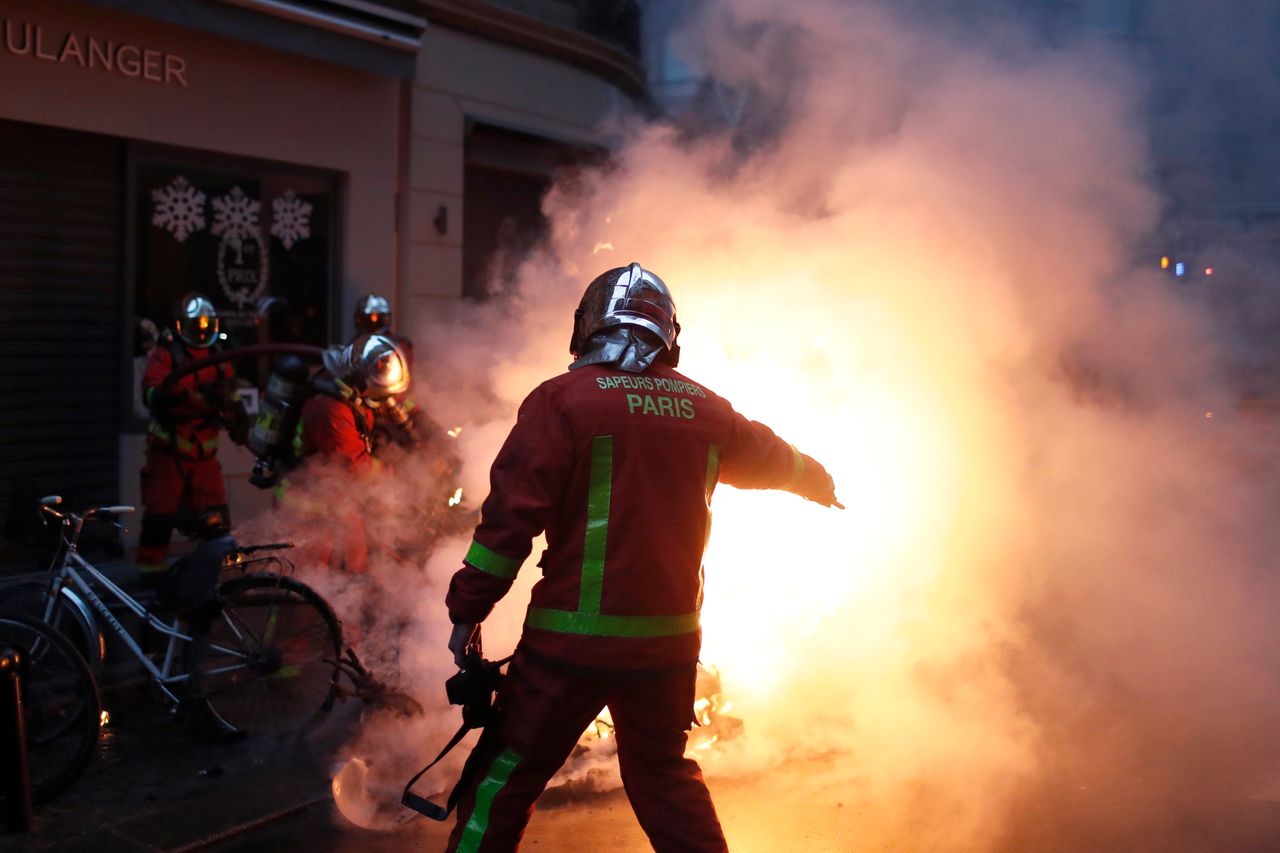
[
  {"x": 813, "y": 483},
  {"x": 756, "y": 458}
]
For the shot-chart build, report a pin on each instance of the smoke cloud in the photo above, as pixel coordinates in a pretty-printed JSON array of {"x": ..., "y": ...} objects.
[{"x": 1048, "y": 618}]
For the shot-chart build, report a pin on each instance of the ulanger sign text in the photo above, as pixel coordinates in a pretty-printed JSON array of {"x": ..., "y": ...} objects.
[{"x": 34, "y": 41}]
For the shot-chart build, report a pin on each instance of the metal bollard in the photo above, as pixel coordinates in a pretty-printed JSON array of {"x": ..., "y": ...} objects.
[{"x": 15, "y": 781}]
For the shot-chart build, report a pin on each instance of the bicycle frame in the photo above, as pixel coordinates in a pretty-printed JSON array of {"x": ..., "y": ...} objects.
[{"x": 72, "y": 571}]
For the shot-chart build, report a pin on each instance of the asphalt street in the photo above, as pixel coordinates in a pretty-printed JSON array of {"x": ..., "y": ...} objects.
[{"x": 152, "y": 787}]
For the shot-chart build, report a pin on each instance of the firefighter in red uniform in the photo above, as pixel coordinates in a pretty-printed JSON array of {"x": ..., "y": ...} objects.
[
  {"x": 181, "y": 478},
  {"x": 615, "y": 461},
  {"x": 373, "y": 317},
  {"x": 337, "y": 425},
  {"x": 398, "y": 420}
]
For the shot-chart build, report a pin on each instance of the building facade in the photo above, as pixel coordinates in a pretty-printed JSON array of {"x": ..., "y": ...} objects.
[{"x": 283, "y": 157}]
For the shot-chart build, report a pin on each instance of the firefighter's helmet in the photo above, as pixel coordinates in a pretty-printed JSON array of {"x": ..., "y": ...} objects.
[
  {"x": 373, "y": 315},
  {"x": 627, "y": 296},
  {"x": 372, "y": 365},
  {"x": 197, "y": 321}
]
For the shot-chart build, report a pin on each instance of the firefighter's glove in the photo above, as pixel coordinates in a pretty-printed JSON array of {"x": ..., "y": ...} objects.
[
  {"x": 464, "y": 642},
  {"x": 816, "y": 484}
]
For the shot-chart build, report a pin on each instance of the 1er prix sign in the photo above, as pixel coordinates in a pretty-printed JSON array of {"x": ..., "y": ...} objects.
[{"x": 36, "y": 42}]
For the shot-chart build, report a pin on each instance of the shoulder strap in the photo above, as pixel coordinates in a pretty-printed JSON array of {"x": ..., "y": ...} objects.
[{"x": 422, "y": 805}]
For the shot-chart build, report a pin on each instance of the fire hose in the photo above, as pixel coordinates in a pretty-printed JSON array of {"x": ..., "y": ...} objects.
[
  {"x": 307, "y": 351},
  {"x": 299, "y": 351}
]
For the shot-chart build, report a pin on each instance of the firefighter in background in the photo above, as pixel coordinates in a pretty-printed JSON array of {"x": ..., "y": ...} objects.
[
  {"x": 336, "y": 427},
  {"x": 399, "y": 420},
  {"x": 616, "y": 461},
  {"x": 181, "y": 478},
  {"x": 373, "y": 317}
]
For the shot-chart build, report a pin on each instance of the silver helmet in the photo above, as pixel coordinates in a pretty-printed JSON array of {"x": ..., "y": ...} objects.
[
  {"x": 373, "y": 315},
  {"x": 372, "y": 365},
  {"x": 197, "y": 321},
  {"x": 627, "y": 296}
]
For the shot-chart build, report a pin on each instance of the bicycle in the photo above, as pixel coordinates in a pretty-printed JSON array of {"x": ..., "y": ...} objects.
[
  {"x": 60, "y": 703},
  {"x": 270, "y": 666}
]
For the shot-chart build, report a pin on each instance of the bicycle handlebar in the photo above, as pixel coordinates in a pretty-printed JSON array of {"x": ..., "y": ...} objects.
[
  {"x": 48, "y": 503},
  {"x": 120, "y": 509}
]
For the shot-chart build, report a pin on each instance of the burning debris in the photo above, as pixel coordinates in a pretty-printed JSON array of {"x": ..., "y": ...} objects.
[
  {"x": 373, "y": 801},
  {"x": 592, "y": 766},
  {"x": 711, "y": 712}
]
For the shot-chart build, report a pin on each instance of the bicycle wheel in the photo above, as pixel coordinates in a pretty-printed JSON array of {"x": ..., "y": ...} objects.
[
  {"x": 61, "y": 708},
  {"x": 272, "y": 665},
  {"x": 31, "y": 599}
]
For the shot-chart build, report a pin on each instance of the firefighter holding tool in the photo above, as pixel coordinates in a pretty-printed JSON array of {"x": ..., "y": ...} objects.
[
  {"x": 182, "y": 478},
  {"x": 616, "y": 461}
]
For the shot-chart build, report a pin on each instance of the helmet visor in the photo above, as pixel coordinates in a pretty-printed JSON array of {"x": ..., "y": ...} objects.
[
  {"x": 655, "y": 316},
  {"x": 387, "y": 376},
  {"x": 373, "y": 315},
  {"x": 374, "y": 322},
  {"x": 199, "y": 331}
]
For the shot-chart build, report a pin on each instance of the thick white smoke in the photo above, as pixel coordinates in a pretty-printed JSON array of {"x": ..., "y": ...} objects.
[{"x": 1047, "y": 620}]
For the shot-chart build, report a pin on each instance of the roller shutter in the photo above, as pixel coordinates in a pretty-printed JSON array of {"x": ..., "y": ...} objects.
[{"x": 60, "y": 325}]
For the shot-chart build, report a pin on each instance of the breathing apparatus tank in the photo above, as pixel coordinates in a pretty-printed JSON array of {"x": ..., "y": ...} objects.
[{"x": 271, "y": 438}]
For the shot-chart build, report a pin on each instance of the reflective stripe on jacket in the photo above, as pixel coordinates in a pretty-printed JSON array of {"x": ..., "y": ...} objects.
[{"x": 618, "y": 469}]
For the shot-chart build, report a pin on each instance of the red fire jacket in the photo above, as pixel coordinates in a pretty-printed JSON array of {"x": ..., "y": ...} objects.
[
  {"x": 328, "y": 427},
  {"x": 189, "y": 425},
  {"x": 618, "y": 469}
]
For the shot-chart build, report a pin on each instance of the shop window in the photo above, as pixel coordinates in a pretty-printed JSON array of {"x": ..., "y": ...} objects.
[
  {"x": 506, "y": 176},
  {"x": 502, "y": 221},
  {"x": 258, "y": 241}
]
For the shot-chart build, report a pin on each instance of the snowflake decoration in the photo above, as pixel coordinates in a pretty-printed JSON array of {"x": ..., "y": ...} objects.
[
  {"x": 290, "y": 218},
  {"x": 235, "y": 215},
  {"x": 178, "y": 209}
]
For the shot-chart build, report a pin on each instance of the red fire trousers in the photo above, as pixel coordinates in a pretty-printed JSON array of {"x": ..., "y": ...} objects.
[
  {"x": 543, "y": 711},
  {"x": 171, "y": 482}
]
